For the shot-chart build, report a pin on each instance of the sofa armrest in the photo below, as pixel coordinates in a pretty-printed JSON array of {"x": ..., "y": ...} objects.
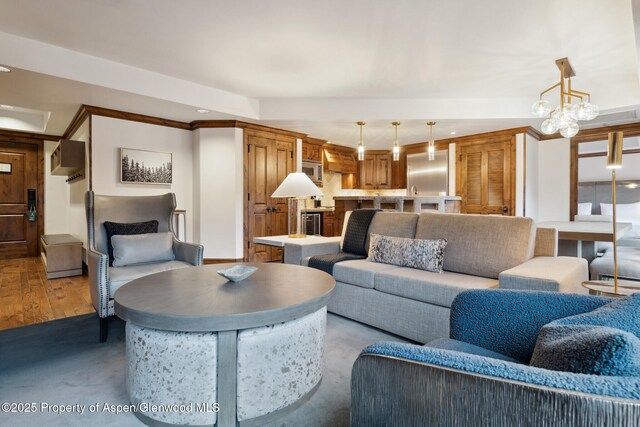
[
  {"x": 559, "y": 274},
  {"x": 98, "y": 270},
  {"x": 188, "y": 252},
  {"x": 508, "y": 321},
  {"x": 295, "y": 253},
  {"x": 404, "y": 384}
]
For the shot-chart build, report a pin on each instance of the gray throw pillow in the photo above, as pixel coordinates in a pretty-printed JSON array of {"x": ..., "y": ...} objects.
[
  {"x": 142, "y": 248},
  {"x": 415, "y": 253}
]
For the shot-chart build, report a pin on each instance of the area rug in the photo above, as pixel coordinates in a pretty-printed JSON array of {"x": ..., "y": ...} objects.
[{"x": 54, "y": 368}]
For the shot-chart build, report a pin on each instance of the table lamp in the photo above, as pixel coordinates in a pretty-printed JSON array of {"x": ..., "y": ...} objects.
[
  {"x": 295, "y": 187},
  {"x": 614, "y": 162}
]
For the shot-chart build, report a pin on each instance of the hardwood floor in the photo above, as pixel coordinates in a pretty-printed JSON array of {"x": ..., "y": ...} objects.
[{"x": 28, "y": 297}]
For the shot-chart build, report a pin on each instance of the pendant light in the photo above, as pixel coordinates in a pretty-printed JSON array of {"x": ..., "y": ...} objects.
[
  {"x": 564, "y": 117},
  {"x": 431, "y": 146},
  {"x": 396, "y": 146},
  {"x": 361, "y": 143}
]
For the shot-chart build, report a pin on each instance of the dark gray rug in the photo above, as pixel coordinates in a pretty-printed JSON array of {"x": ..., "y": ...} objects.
[{"x": 61, "y": 363}]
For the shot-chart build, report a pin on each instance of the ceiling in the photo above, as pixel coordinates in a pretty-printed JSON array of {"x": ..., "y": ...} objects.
[{"x": 317, "y": 67}]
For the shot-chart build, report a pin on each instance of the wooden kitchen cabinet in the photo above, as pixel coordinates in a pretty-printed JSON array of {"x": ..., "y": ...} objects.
[
  {"x": 328, "y": 224},
  {"x": 312, "y": 149},
  {"x": 340, "y": 159},
  {"x": 375, "y": 171}
]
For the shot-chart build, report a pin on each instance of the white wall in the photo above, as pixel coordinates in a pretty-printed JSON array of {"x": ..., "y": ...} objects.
[
  {"x": 595, "y": 168},
  {"x": 553, "y": 179},
  {"x": 108, "y": 135},
  {"x": 218, "y": 191},
  {"x": 531, "y": 189},
  {"x": 76, "y": 215},
  {"x": 56, "y": 196}
]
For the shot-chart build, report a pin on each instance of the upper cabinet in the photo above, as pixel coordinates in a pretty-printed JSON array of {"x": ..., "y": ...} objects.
[
  {"x": 67, "y": 157},
  {"x": 379, "y": 171},
  {"x": 340, "y": 159},
  {"x": 312, "y": 149}
]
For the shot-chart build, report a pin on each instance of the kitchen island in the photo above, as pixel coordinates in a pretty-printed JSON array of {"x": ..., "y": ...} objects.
[{"x": 449, "y": 204}]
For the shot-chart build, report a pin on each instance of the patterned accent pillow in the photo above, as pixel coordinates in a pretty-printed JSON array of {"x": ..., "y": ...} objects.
[
  {"x": 119, "y": 228},
  {"x": 415, "y": 253}
]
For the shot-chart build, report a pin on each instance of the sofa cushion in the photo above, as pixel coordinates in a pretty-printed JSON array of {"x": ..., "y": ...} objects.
[
  {"x": 480, "y": 245},
  {"x": 142, "y": 248},
  {"x": 415, "y": 253},
  {"x": 628, "y": 263},
  {"x": 119, "y": 276},
  {"x": 586, "y": 349},
  {"x": 359, "y": 272},
  {"x": 455, "y": 345},
  {"x": 394, "y": 224},
  {"x": 119, "y": 228},
  {"x": 425, "y": 286}
]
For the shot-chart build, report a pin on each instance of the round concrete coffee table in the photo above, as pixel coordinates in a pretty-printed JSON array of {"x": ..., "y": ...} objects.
[{"x": 213, "y": 351}]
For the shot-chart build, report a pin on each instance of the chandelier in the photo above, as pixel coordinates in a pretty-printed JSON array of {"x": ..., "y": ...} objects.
[
  {"x": 361, "y": 143},
  {"x": 564, "y": 117},
  {"x": 396, "y": 145},
  {"x": 431, "y": 145}
]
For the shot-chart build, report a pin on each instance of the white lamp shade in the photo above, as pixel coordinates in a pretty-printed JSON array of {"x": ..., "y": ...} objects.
[{"x": 296, "y": 184}]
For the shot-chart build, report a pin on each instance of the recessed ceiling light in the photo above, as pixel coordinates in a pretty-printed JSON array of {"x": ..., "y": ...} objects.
[
  {"x": 4, "y": 69},
  {"x": 7, "y": 107},
  {"x": 453, "y": 132},
  {"x": 203, "y": 111},
  {"x": 328, "y": 142}
]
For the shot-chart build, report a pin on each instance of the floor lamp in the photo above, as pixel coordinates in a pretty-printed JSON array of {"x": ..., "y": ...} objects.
[
  {"x": 296, "y": 187},
  {"x": 614, "y": 162}
]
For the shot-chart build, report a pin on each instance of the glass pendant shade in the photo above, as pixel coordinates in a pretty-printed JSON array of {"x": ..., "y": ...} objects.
[
  {"x": 431, "y": 151},
  {"x": 540, "y": 108},
  {"x": 582, "y": 110},
  {"x": 361, "y": 143},
  {"x": 595, "y": 110},
  {"x": 396, "y": 152},
  {"x": 549, "y": 126},
  {"x": 570, "y": 130}
]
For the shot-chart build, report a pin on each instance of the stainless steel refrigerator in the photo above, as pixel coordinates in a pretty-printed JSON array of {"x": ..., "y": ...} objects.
[{"x": 427, "y": 178}]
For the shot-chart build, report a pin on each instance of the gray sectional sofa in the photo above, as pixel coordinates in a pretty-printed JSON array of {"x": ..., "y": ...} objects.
[{"x": 482, "y": 252}]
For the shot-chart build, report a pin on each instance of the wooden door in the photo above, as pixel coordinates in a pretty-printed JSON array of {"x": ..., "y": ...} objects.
[
  {"x": 383, "y": 170},
  {"x": 282, "y": 163},
  {"x": 484, "y": 177},
  {"x": 269, "y": 159},
  {"x": 18, "y": 174}
]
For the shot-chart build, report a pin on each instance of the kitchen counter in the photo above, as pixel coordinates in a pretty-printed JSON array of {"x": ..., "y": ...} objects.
[
  {"x": 400, "y": 203},
  {"x": 320, "y": 209}
]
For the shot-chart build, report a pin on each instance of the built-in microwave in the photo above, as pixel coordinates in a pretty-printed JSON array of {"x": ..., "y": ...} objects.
[{"x": 313, "y": 171}]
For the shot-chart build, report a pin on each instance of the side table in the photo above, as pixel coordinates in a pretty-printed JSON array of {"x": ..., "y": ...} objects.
[
  {"x": 61, "y": 255},
  {"x": 605, "y": 288}
]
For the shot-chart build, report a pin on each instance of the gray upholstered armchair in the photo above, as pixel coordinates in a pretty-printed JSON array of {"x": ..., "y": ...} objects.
[{"x": 104, "y": 280}]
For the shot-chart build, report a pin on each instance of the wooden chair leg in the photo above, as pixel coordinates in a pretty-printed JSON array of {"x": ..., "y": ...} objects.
[{"x": 104, "y": 328}]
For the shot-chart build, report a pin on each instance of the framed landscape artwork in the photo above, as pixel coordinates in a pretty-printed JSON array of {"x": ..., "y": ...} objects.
[{"x": 146, "y": 167}]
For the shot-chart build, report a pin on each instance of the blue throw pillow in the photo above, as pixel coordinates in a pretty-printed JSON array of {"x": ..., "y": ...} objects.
[
  {"x": 605, "y": 341},
  {"x": 585, "y": 349}
]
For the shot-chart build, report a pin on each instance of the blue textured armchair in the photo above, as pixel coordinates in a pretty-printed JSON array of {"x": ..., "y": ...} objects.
[{"x": 481, "y": 377}]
